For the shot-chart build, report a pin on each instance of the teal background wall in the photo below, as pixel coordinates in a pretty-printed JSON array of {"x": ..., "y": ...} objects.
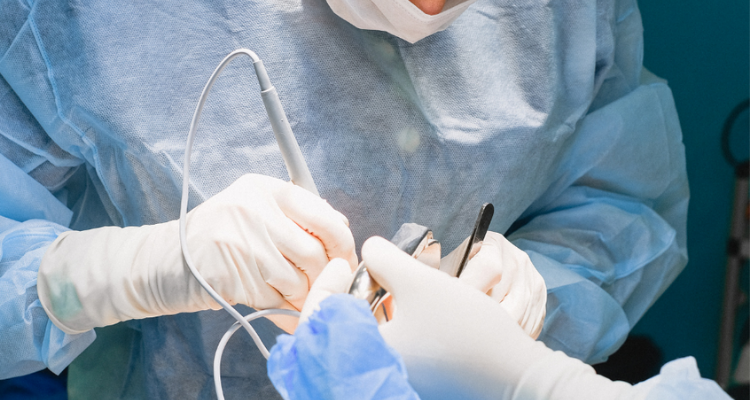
[{"x": 701, "y": 48}]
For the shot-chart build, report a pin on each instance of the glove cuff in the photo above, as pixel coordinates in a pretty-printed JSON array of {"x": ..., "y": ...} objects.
[
  {"x": 102, "y": 276},
  {"x": 69, "y": 276}
]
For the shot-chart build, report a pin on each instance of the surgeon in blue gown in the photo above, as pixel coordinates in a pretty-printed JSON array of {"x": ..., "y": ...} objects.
[{"x": 542, "y": 108}]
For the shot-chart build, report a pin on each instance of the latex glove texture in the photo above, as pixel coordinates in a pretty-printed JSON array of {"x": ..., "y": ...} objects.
[
  {"x": 457, "y": 342},
  {"x": 506, "y": 274},
  {"x": 260, "y": 242}
]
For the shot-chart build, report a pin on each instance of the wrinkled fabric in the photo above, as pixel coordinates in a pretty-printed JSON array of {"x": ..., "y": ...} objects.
[
  {"x": 338, "y": 353},
  {"x": 29, "y": 340},
  {"x": 681, "y": 380},
  {"x": 539, "y": 108}
]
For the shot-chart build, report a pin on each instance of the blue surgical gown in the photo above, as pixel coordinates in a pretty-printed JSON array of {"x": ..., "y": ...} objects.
[{"x": 540, "y": 107}]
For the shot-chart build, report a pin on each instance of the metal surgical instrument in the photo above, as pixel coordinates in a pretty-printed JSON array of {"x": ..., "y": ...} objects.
[
  {"x": 418, "y": 241},
  {"x": 470, "y": 247},
  {"x": 413, "y": 239}
]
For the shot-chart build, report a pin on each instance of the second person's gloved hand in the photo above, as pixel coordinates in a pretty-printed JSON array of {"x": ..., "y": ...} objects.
[
  {"x": 458, "y": 343},
  {"x": 506, "y": 274},
  {"x": 260, "y": 242}
]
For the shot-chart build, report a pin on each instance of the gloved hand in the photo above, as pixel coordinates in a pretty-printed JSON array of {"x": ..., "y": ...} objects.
[
  {"x": 457, "y": 342},
  {"x": 260, "y": 242},
  {"x": 506, "y": 274}
]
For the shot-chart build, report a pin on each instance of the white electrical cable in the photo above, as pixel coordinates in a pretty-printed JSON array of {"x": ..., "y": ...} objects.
[
  {"x": 241, "y": 321},
  {"x": 230, "y": 332}
]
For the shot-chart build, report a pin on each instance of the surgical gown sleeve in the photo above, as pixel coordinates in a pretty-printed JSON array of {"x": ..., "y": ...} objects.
[
  {"x": 609, "y": 234},
  {"x": 681, "y": 380},
  {"x": 31, "y": 217}
]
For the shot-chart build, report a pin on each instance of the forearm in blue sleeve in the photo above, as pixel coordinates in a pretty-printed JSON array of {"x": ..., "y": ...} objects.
[
  {"x": 609, "y": 235},
  {"x": 28, "y": 340},
  {"x": 600, "y": 278}
]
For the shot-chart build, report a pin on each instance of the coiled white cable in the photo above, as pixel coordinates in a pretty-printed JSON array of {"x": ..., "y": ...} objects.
[{"x": 298, "y": 173}]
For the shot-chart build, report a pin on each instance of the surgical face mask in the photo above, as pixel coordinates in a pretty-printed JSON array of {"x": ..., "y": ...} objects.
[{"x": 398, "y": 17}]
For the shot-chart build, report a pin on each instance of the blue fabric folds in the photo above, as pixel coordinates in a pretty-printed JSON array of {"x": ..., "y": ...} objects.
[
  {"x": 338, "y": 353},
  {"x": 680, "y": 380}
]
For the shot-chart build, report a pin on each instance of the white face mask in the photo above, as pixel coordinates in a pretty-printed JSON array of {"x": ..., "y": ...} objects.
[{"x": 398, "y": 17}]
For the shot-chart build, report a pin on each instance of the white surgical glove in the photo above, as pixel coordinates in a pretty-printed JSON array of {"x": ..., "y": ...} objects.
[
  {"x": 260, "y": 242},
  {"x": 506, "y": 274},
  {"x": 336, "y": 278},
  {"x": 457, "y": 342}
]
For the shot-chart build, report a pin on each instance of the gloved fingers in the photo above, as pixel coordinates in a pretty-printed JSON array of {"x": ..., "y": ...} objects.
[
  {"x": 536, "y": 329},
  {"x": 503, "y": 288},
  {"x": 319, "y": 219},
  {"x": 527, "y": 302},
  {"x": 539, "y": 299},
  {"x": 303, "y": 250},
  {"x": 448, "y": 264},
  {"x": 521, "y": 291},
  {"x": 485, "y": 269},
  {"x": 343, "y": 218},
  {"x": 280, "y": 274},
  {"x": 394, "y": 270},
  {"x": 517, "y": 301},
  {"x": 336, "y": 277},
  {"x": 506, "y": 261}
]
